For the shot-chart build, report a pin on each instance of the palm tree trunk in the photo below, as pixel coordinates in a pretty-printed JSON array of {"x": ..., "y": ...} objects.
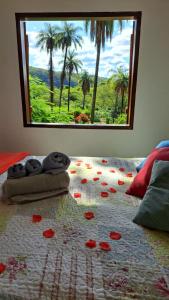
[
  {"x": 83, "y": 103},
  {"x": 95, "y": 81},
  {"x": 122, "y": 101},
  {"x": 51, "y": 76},
  {"x": 68, "y": 103},
  {"x": 62, "y": 79}
]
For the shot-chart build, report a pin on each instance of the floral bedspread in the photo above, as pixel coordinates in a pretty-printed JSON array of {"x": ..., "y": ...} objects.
[{"x": 84, "y": 245}]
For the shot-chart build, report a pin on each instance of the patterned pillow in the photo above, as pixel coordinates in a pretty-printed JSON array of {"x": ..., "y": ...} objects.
[{"x": 154, "y": 210}]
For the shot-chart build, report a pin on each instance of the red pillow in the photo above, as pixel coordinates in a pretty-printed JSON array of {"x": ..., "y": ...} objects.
[{"x": 141, "y": 181}]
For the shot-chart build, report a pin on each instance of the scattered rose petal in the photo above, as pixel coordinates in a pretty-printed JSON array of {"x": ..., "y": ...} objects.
[
  {"x": 72, "y": 172},
  {"x": 115, "y": 235},
  {"x": 120, "y": 182},
  {"x": 36, "y": 218},
  {"x": 90, "y": 244},
  {"x": 99, "y": 172},
  {"x": 78, "y": 164},
  {"x": 104, "y": 194},
  {"x": 122, "y": 169},
  {"x": 112, "y": 190},
  {"x": 112, "y": 171},
  {"x": 83, "y": 181},
  {"x": 89, "y": 167},
  {"x": 77, "y": 195},
  {"x": 104, "y": 161},
  {"x": 104, "y": 246},
  {"x": 79, "y": 161},
  {"x": 104, "y": 183},
  {"x": 96, "y": 178},
  {"x": 49, "y": 233},
  {"x": 2, "y": 268},
  {"x": 89, "y": 215},
  {"x": 129, "y": 175}
]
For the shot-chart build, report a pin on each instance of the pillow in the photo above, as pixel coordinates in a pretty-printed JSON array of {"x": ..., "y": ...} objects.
[
  {"x": 154, "y": 210},
  {"x": 140, "y": 183},
  {"x": 162, "y": 144}
]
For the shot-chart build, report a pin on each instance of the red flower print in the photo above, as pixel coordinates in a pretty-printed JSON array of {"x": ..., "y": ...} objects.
[
  {"x": 112, "y": 171},
  {"x": 77, "y": 195},
  {"x": 91, "y": 244},
  {"x": 36, "y": 218},
  {"x": 112, "y": 190},
  {"x": 122, "y": 169},
  {"x": 104, "y": 183},
  {"x": 129, "y": 175},
  {"x": 96, "y": 178},
  {"x": 104, "y": 246},
  {"x": 2, "y": 268},
  {"x": 104, "y": 194},
  {"x": 84, "y": 181},
  {"x": 120, "y": 182},
  {"x": 72, "y": 172},
  {"x": 104, "y": 161},
  {"x": 99, "y": 172},
  {"x": 115, "y": 235},
  {"x": 89, "y": 215},
  {"x": 49, "y": 233}
]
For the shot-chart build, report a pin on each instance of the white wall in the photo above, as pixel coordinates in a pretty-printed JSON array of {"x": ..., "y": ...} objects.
[{"x": 151, "y": 122}]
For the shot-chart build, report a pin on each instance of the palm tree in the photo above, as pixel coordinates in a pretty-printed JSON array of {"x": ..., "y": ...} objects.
[
  {"x": 47, "y": 40},
  {"x": 85, "y": 84},
  {"x": 121, "y": 85},
  {"x": 72, "y": 64},
  {"x": 100, "y": 31},
  {"x": 67, "y": 37}
]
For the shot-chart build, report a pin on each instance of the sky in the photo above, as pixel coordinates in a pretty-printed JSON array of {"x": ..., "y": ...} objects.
[{"x": 116, "y": 53}]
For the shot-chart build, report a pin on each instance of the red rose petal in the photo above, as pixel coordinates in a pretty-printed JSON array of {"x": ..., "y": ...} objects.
[
  {"x": 115, "y": 235},
  {"x": 112, "y": 190},
  {"x": 99, "y": 172},
  {"x": 84, "y": 181},
  {"x": 36, "y": 218},
  {"x": 104, "y": 161},
  {"x": 90, "y": 244},
  {"x": 79, "y": 161},
  {"x": 89, "y": 215},
  {"x": 78, "y": 164},
  {"x": 112, "y": 171},
  {"x": 104, "y": 183},
  {"x": 129, "y": 175},
  {"x": 120, "y": 182},
  {"x": 104, "y": 194},
  {"x": 49, "y": 233},
  {"x": 77, "y": 195},
  {"x": 2, "y": 268},
  {"x": 104, "y": 246},
  {"x": 122, "y": 169},
  {"x": 96, "y": 178},
  {"x": 88, "y": 167},
  {"x": 72, "y": 172}
]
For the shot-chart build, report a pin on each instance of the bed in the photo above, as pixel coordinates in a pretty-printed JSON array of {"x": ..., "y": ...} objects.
[{"x": 62, "y": 267}]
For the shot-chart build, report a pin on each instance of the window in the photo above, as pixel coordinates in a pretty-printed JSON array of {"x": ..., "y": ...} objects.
[{"x": 78, "y": 70}]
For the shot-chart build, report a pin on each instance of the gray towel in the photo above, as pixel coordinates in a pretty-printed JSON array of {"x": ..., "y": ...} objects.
[
  {"x": 33, "y": 167},
  {"x": 55, "y": 163},
  {"x": 16, "y": 171}
]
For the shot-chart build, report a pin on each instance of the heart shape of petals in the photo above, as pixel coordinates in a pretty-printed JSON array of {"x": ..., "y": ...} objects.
[
  {"x": 83, "y": 181},
  {"x": 36, "y": 218},
  {"x": 2, "y": 268},
  {"x": 90, "y": 244},
  {"x": 122, "y": 169},
  {"x": 77, "y": 195},
  {"x": 104, "y": 246},
  {"x": 129, "y": 175},
  {"x": 120, "y": 182},
  {"x": 72, "y": 172},
  {"x": 89, "y": 215},
  {"x": 49, "y": 233},
  {"x": 115, "y": 235},
  {"x": 96, "y": 178},
  {"x": 104, "y": 194},
  {"x": 104, "y": 183},
  {"x": 112, "y": 190},
  {"x": 99, "y": 172},
  {"x": 112, "y": 171},
  {"x": 104, "y": 161}
]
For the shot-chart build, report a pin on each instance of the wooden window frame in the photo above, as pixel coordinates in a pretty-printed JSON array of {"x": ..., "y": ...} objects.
[{"x": 23, "y": 64}]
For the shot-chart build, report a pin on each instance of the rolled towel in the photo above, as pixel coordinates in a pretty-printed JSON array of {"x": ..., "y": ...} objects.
[
  {"x": 40, "y": 183},
  {"x": 16, "y": 171},
  {"x": 55, "y": 163},
  {"x": 33, "y": 167}
]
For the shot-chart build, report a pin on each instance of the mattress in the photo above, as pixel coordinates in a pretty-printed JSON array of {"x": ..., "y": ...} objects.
[{"x": 62, "y": 267}]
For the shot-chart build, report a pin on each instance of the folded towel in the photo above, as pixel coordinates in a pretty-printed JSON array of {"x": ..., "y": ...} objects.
[
  {"x": 16, "y": 171},
  {"x": 33, "y": 167},
  {"x": 35, "y": 184},
  {"x": 55, "y": 163},
  {"x": 21, "y": 199}
]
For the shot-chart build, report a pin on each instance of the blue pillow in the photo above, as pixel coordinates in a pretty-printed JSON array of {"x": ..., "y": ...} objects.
[{"x": 162, "y": 144}]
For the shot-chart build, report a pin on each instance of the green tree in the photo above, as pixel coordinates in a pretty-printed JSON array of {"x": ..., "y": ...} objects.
[
  {"x": 72, "y": 64},
  {"x": 47, "y": 40},
  {"x": 100, "y": 31},
  {"x": 85, "y": 81},
  {"x": 67, "y": 37},
  {"x": 121, "y": 85}
]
